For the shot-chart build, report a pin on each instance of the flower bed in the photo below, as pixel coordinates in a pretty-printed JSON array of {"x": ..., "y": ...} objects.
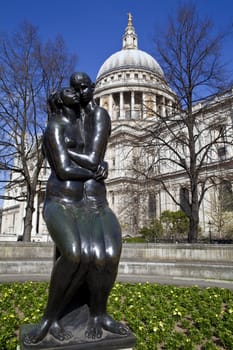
[{"x": 161, "y": 317}]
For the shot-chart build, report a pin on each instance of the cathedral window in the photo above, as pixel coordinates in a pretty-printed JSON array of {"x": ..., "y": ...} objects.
[
  {"x": 151, "y": 205},
  {"x": 226, "y": 195},
  {"x": 222, "y": 152},
  {"x": 112, "y": 197},
  {"x": 184, "y": 199}
]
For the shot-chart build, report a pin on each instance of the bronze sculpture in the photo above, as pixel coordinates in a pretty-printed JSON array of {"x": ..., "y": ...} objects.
[{"x": 79, "y": 220}]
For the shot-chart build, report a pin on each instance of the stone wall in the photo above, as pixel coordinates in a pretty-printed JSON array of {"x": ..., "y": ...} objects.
[
  {"x": 179, "y": 252},
  {"x": 35, "y": 260}
]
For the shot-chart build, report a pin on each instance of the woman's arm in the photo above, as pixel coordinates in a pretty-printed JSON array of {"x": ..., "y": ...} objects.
[
  {"x": 96, "y": 142},
  {"x": 56, "y": 152}
]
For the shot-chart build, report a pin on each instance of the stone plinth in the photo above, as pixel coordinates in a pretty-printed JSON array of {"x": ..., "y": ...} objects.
[{"x": 75, "y": 322}]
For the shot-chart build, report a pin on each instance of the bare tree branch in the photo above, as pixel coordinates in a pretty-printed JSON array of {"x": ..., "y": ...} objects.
[
  {"x": 186, "y": 142},
  {"x": 29, "y": 71}
]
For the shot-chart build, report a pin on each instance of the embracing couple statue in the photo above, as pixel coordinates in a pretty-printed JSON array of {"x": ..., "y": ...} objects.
[{"x": 84, "y": 229}]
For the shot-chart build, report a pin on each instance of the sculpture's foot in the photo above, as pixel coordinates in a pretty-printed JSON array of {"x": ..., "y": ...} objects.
[
  {"x": 109, "y": 324},
  {"x": 59, "y": 332},
  {"x": 94, "y": 328},
  {"x": 96, "y": 325},
  {"x": 38, "y": 333}
]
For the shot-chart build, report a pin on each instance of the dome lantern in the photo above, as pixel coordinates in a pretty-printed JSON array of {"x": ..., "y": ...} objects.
[{"x": 130, "y": 40}]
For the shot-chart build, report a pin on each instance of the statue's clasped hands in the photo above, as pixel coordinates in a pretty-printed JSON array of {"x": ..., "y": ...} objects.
[{"x": 102, "y": 171}]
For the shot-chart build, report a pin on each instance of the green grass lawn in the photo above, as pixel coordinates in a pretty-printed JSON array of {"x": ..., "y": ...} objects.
[{"x": 161, "y": 317}]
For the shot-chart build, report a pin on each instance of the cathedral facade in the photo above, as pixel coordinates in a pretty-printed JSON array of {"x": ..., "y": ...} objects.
[{"x": 131, "y": 85}]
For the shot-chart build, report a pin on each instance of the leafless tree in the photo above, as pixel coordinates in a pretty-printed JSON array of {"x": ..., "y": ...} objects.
[
  {"x": 184, "y": 140},
  {"x": 29, "y": 71}
]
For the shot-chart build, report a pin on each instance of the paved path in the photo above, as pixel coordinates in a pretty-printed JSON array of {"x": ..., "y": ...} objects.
[{"x": 186, "y": 282}]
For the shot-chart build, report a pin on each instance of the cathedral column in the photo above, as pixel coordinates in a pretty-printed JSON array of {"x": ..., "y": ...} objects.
[
  {"x": 34, "y": 217},
  {"x": 132, "y": 105},
  {"x": 121, "y": 105},
  {"x": 155, "y": 104},
  {"x": 143, "y": 105},
  {"x": 163, "y": 107},
  {"x": 170, "y": 107},
  {"x": 110, "y": 100}
]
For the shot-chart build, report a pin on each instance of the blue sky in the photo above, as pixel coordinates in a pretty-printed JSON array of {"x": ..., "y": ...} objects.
[{"x": 93, "y": 29}]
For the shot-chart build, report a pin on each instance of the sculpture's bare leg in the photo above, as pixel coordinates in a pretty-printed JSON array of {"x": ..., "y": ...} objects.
[
  {"x": 62, "y": 276},
  {"x": 102, "y": 275},
  {"x": 66, "y": 276},
  {"x": 99, "y": 318}
]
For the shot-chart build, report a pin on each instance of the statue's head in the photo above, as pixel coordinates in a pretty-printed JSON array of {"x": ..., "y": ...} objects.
[
  {"x": 82, "y": 83},
  {"x": 79, "y": 77},
  {"x": 66, "y": 96}
]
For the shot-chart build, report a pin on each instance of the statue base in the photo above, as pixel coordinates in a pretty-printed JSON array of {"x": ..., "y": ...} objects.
[{"x": 75, "y": 322}]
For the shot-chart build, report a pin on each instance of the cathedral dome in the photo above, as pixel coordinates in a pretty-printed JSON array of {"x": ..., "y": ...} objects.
[
  {"x": 130, "y": 58},
  {"x": 131, "y": 84}
]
